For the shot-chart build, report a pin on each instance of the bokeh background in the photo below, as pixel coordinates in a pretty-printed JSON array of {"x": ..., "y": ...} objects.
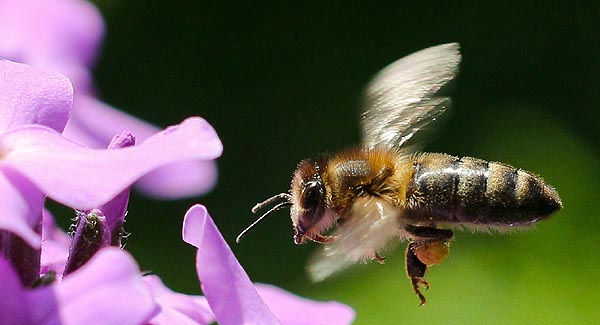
[{"x": 283, "y": 82}]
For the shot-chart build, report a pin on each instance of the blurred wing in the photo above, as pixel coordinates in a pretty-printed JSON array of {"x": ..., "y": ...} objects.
[
  {"x": 371, "y": 223},
  {"x": 403, "y": 98}
]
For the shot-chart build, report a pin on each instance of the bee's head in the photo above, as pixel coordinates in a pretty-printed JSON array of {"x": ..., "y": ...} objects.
[
  {"x": 307, "y": 200},
  {"x": 309, "y": 211}
]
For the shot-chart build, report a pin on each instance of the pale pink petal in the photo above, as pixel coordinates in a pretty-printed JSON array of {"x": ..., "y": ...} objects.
[
  {"x": 295, "y": 310},
  {"x": 232, "y": 297},
  {"x": 30, "y": 95},
  {"x": 177, "y": 308},
  {"x": 84, "y": 178}
]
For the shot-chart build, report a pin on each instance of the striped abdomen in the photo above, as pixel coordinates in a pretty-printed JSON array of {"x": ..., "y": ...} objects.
[{"x": 447, "y": 189}]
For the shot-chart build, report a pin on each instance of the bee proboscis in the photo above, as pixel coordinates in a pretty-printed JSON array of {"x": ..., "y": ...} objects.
[{"x": 385, "y": 189}]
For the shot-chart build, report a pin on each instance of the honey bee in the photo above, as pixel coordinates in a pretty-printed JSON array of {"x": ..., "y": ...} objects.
[{"x": 385, "y": 189}]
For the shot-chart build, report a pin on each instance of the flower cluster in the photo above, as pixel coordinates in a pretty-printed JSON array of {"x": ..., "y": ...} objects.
[
  {"x": 58, "y": 141},
  {"x": 65, "y": 36}
]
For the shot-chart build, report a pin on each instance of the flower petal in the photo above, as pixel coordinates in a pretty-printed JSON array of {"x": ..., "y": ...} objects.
[
  {"x": 13, "y": 300},
  {"x": 180, "y": 180},
  {"x": 115, "y": 210},
  {"x": 232, "y": 297},
  {"x": 55, "y": 246},
  {"x": 177, "y": 308},
  {"x": 106, "y": 290},
  {"x": 93, "y": 123},
  {"x": 42, "y": 306},
  {"x": 292, "y": 309},
  {"x": 51, "y": 32},
  {"x": 83, "y": 178},
  {"x": 21, "y": 205},
  {"x": 30, "y": 95}
]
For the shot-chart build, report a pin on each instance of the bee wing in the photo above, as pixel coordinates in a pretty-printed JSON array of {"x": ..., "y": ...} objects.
[
  {"x": 403, "y": 98},
  {"x": 371, "y": 223}
]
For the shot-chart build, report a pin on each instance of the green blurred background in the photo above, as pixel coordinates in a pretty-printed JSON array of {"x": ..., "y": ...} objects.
[{"x": 282, "y": 82}]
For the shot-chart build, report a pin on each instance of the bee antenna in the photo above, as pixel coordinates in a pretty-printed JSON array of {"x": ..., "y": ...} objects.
[
  {"x": 286, "y": 196},
  {"x": 266, "y": 214}
]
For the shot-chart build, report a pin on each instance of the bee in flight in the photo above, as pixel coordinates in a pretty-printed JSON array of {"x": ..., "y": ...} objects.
[{"x": 385, "y": 189}]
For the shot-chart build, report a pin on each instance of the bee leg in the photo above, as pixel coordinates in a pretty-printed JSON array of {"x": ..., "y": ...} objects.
[
  {"x": 429, "y": 246},
  {"x": 380, "y": 259},
  {"x": 320, "y": 239},
  {"x": 415, "y": 269}
]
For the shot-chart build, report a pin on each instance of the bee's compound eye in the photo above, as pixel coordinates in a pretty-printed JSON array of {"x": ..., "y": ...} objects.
[
  {"x": 312, "y": 202},
  {"x": 313, "y": 195}
]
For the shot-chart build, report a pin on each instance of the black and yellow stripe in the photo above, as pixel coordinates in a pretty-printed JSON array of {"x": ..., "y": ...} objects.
[{"x": 448, "y": 189}]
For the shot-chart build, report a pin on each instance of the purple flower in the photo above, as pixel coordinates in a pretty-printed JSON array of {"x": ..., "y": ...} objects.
[
  {"x": 27, "y": 96},
  {"x": 109, "y": 289},
  {"x": 36, "y": 160},
  {"x": 96, "y": 283},
  {"x": 65, "y": 35},
  {"x": 83, "y": 178},
  {"x": 177, "y": 308},
  {"x": 231, "y": 295}
]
